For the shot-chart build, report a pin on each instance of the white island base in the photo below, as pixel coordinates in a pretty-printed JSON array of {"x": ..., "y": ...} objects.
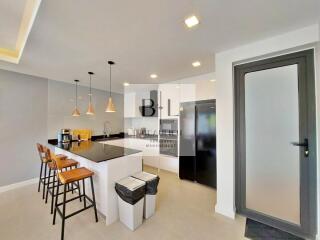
[{"x": 105, "y": 175}]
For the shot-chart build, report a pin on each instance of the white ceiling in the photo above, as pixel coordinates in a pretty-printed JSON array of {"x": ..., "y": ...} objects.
[
  {"x": 11, "y": 13},
  {"x": 72, "y": 37}
]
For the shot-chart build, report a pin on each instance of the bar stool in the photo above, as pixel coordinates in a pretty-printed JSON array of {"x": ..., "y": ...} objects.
[
  {"x": 70, "y": 177},
  {"x": 66, "y": 164},
  {"x": 44, "y": 164}
]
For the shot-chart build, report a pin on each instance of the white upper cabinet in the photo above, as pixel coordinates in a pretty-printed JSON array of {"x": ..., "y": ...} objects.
[
  {"x": 170, "y": 95},
  {"x": 131, "y": 109},
  {"x": 188, "y": 92},
  {"x": 133, "y": 102},
  {"x": 169, "y": 98}
]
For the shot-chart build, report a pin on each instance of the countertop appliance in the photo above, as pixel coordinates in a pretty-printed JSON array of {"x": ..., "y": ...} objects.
[
  {"x": 64, "y": 136},
  {"x": 169, "y": 137},
  {"x": 197, "y": 158}
]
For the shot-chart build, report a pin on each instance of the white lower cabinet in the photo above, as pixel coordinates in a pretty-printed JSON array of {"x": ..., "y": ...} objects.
[
  {"x": 169, "y": 163},
  {"x": 150, "y": 150}
]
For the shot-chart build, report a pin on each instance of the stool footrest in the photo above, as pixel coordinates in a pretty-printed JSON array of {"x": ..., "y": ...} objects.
[
  {"x": 77, "y": 197},
  {"x": 42, "y": 179},
  {"x": 79, "y": 211},
  {"x": 60, "y": 193},
  {"x": 74, "y": 213}
]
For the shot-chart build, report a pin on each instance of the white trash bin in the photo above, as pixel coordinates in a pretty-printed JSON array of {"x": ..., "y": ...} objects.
[
  {"x": 151, "y": 181},
  {"x": 131, "y": 193}
]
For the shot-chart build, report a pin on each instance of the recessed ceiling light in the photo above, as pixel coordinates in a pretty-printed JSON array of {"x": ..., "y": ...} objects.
[
  {"x": 126, "y": 84},
  {"x": 191, "y": 21},
  {"x": 212, "y": 80},
  {"x": 153, "y": 76},
  {"x": 196, "y": 64}
]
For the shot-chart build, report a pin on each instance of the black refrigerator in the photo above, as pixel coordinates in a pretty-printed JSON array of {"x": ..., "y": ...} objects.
[{"x": 197, "y": 155}]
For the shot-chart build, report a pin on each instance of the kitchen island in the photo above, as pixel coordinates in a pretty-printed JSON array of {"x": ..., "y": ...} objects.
[
  {"x": 150, "y": 148},
  {"x": 109, "y": 163}
]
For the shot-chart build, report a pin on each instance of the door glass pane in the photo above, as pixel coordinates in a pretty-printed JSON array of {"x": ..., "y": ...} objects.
[{"x": 272, "y": 162}]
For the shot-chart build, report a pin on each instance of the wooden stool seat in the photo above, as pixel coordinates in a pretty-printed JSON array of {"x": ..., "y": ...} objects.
[
  {"x": 61, "y": 156},
  {"x": 64, "y": 164},
  {"x": 74, "y": 175}
]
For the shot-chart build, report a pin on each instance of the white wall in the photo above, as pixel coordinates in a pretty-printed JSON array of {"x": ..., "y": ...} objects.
[
  {"x": 204, "y": 86},
  {"x": 61, "y": 102},
  {"x": 23, "y": 123},
  {"x": 225, "y": 103}
]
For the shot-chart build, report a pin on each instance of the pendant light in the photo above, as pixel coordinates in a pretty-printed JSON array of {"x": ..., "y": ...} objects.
[
  {"x": 110, "y": 105},
  {"x": 90, "y": 107},
  {"x": 76, "y": 112}
]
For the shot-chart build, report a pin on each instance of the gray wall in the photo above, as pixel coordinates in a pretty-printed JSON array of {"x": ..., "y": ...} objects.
[
  {"x": 34, "y": 109},
  {"x": 61, "y": 102},
  {"x": 23, "y": 123}
]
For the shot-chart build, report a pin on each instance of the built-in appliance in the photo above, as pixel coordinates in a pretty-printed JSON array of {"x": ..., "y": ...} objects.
[
  {"x": 64, "y": 136},
  {"x": 197, "y": 158},
  {"x": 169, "y": 137}
]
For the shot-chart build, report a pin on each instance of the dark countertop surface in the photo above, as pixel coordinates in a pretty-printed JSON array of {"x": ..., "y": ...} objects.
[
  {"x": 146, "y": 137},
  {"x": 102, "y": 138},
  {"x": 95, "y": 151}
]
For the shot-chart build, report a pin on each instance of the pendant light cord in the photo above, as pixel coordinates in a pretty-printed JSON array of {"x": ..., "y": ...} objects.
[
  {"x": 110, "y": 81},
  {"x": 76, "y": 94},
  {"x": 90, "y": 94}
]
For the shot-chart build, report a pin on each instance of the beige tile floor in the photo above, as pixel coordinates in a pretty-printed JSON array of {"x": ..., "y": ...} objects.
[{"x": 185, "y": 210}]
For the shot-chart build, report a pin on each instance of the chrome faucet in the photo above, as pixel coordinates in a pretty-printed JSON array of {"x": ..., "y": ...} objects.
[{"x": 106, "y": 129}]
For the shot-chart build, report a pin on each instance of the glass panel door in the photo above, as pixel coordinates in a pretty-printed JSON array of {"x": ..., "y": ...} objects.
[
  {"x": 271, "y": 124},
  {"x": 275, "y": 132}
]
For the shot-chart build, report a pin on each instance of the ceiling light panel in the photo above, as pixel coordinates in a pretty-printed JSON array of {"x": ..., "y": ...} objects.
[
  {"x": 153, "y": 76},
  {"x": 192, "y": 21},
  {"x": 196, "y": 64}
]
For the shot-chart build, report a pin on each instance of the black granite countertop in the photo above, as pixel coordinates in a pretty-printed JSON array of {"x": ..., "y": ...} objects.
[
  {"x": 95, "y": 151},
  {"x": 145, "y": 137},
  {"x": 97, "y": 138}
]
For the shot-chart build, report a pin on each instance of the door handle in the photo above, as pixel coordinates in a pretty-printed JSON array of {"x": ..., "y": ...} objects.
[{"x": 304, "y": 144}]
